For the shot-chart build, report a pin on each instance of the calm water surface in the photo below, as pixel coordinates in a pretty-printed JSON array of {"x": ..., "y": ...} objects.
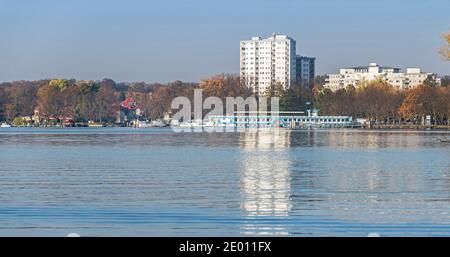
[{"x": 154, "y": 182}]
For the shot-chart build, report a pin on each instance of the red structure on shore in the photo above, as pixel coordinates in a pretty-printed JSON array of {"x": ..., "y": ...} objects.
[
  {"x": 128, "y": 111},
  {"x": 129, "y": 104}
]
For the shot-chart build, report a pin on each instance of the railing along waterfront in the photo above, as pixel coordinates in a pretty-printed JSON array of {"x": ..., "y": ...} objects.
[{"x": 280, "y": 119}]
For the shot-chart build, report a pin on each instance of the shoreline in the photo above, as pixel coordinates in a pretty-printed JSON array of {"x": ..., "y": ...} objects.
[
  {"x": 410, "y": 127},
  {"x": 373, "y": 127}
]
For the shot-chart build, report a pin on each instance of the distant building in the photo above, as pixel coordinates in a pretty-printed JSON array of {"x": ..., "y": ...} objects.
[
  {"x": 267, "y": 61},
  {"x": 128, "y": 111},
  {"x": 353, "y": 76},
  {"x": 305, "y": 70},
  {"x": 36, "y": 118}
]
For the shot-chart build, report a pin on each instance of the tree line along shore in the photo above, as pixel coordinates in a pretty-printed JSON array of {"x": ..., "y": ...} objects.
[{"x": 99, "y": 101}]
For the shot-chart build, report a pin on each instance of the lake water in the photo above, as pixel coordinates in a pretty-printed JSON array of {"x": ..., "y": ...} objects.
[{"x": 154, "y": 182}]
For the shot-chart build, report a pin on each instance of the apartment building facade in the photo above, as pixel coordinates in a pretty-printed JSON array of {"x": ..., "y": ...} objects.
[
  {"x": 401, "y": 80},
  {"x": 268, "y": 61},
  {"x": 305, "y": 70}
]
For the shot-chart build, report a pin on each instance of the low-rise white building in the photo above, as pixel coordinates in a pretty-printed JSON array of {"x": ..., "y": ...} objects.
[{"x": 355, "y": 75}]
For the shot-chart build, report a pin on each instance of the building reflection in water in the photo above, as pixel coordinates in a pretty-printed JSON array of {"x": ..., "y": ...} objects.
[{"x": 265, "y": 182}]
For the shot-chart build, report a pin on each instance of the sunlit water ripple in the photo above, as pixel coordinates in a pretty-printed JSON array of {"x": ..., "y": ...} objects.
[{"x": 154, "y": 182}]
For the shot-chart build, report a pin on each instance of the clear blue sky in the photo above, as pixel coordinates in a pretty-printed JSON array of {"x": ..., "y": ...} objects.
[{"x": 189, "y": 40}]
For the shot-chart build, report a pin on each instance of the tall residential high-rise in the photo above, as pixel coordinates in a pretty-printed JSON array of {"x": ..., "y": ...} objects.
[
  {"x": 305, "y": 70},
  {"x": 268, "y": 61}
]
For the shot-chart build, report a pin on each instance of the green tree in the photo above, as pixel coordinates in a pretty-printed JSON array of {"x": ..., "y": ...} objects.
[
  {"x": 19, "y": 122},
  {"x": 61, "y": 84},
  {"x": 429, "y": 81},
  {"x": 85, "y": 101},
  {"x": 295, "y": 98}
]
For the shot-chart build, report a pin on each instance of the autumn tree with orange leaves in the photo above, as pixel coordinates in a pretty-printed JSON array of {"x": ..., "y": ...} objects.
[
  {"x": 418, "y": 103},
  {"x": 441, "y": 104},
  {"x": 98, "y": 100},
  {"x": 223, "y": 86},
  {"x": 378, "y": 101}
]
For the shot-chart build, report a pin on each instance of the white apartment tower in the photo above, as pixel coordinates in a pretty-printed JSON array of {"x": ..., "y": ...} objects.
[{"x": 267, "y": 61}]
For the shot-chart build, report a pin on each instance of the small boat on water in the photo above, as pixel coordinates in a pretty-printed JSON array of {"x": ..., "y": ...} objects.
[
  {"x": 95, "y": 125},
  {"x": 194, "y": 124},
  {"x": 142, "y": 124},
  {"x": 5, "y": 125},
  {"x": 158, "y": 124}
]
